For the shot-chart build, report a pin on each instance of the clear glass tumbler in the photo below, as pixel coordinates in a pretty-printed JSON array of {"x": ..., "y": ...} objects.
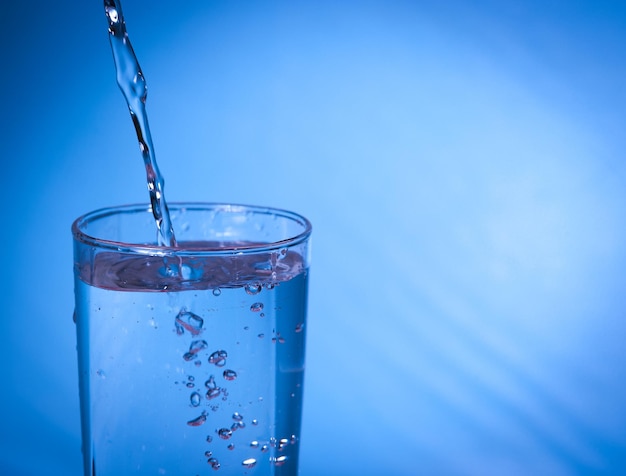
[{"x": 191, "y": 358}]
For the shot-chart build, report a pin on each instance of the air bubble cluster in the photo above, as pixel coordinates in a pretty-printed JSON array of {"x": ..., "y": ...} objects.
[{"x": 191, "y": 325}]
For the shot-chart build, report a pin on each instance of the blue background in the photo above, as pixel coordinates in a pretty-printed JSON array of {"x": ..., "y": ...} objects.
[{"x": 463, "y": 166}]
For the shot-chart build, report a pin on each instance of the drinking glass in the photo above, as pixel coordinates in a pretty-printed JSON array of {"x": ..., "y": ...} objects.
[{"x": 191, "y": 357}]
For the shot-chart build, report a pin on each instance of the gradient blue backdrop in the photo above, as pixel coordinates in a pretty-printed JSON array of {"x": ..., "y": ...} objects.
[{"x": 463, "y": 165}]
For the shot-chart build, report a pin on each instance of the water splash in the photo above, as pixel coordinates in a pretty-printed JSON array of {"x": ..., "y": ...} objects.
[{"x": 132, "y": 82}]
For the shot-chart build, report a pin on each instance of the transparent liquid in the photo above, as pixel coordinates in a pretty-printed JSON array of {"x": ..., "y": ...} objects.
[
  {"x": 204, "y": 377},
  {"x": 187, "y": 365},
  {"x": 133, "y": 84}
]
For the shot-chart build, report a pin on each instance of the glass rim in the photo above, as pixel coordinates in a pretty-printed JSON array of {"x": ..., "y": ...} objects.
[{"x": 150, "y": 249}]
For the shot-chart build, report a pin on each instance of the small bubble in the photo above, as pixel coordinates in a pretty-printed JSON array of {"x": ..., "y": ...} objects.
[
  {"x": 249, "y": 463},
  {"x": 210, "y": 383},
  {"x": 253, "y": 289},
  {"x": 265, "y": 449},
  {"x": 195, "y": 347},
  {"x": 189, "y": 321},
  {"x": 198, "y": 421},
  {"x": 256, "y": 307},
  {"x": 270, "y": 286},
  {"x": 230, "y": 374},
  {"x": 293, "y": 439},
  {"x": 224, "y": 433},
  {"x": 100, "y": 373},
  {"x": 255, "y": 422},
  {"x": 280, "y": 460},
  {"x": 198, "y": 363},
  {"x": 245, "y": 328},
  {"x": 190, "y": 385},
  {"x": 215, "y": 464},
  {"x": 217, "y": 292},
  {"x": 237, "y": 416},
  {"x": 262, "y": 314},
  {"x": 299, "y": 327},
  {"x": 195, "y": 399},
  {"x": 254, "y": 444},
  {"x": 261, "y": 336},
  {"x": 209, "y": 438},
  {"x": 237, "y": 425},
  {"x": 218, "y": 358},
  {"x": 231, "y": 447},
  {"x": 213, "y": 393},
  {"x": 208, "y": 454}
]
